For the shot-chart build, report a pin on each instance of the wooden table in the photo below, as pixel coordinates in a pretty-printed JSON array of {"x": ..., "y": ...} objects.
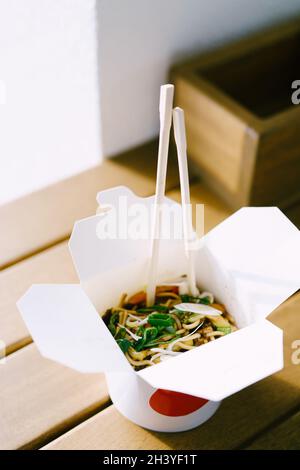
[{"x": 45, "y": 405}]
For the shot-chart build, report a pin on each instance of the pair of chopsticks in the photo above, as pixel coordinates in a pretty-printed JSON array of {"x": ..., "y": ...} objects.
[{"x": 165, "y": 115}]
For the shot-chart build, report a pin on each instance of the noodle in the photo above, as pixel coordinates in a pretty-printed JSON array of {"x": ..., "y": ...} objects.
[
  {"x": 215, "y": 333},
  {"x": 122, "y": 300},
  {"x": 138, "y": 363},
  {"x": 168, "y": 294},
  {"x": 177, "y": 321},
  {"x": 184, "y": 346},
  {"x": 192, "y": 325},
  {"x": 181, "y": 332},
  {"x": 173, "y": 325}
]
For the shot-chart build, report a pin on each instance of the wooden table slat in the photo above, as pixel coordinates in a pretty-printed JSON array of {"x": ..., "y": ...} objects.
[
  {"x": 40, "y": 399},
  {"x": 293, "y": 213},
  {"x": 46, "y": 217},
  {"x": 286, "y": 436},
  {"x": 52, "y": 265}
]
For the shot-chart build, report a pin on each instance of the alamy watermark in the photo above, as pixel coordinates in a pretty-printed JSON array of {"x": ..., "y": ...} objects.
[
  {"x": 295, "y": 357},
  {"x": 135, "y": 221},
  {"x": 295, "y": 97}
]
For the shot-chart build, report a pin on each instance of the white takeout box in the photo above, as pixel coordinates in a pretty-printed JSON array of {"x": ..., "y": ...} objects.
[{"x": 250, "y": 262}]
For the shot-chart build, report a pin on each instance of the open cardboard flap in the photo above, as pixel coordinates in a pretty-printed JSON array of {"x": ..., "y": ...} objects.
[
  {"x": 119, "y": 263},
  {"x": 250, "y": 262},
  {"x": 65, "y": 320},
  {"x": 255, "y": 256},
  {"x": 66, "y": 328},
  {"x": 222, "y": 367}
]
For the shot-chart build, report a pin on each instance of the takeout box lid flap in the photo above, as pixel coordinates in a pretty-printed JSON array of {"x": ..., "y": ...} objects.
[
  {"x": 224, "y": 366},
  {"x": 95, "y": 255},
  {"x": 257, "y": 250},
  {"x": 92, "y": 255},
  {"x": 67, "y": 328}
]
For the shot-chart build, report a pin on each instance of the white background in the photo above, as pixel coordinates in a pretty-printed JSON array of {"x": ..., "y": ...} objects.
[
  {"x": 59, "y": 57},
  {"x": 49, "y": 108}
]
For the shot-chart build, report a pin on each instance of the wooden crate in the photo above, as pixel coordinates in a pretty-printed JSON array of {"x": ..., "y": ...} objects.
[{"x": 243, "y": 130}]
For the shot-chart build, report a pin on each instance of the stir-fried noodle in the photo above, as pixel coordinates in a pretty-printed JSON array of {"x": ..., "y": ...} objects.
[{"x": 174, "y": 324}]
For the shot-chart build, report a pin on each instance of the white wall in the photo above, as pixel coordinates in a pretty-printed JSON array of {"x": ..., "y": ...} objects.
[
  {"x": 49, "y": 103},
  {"x": 50, "y": 82},
  {"x": 139, "y": 39}
]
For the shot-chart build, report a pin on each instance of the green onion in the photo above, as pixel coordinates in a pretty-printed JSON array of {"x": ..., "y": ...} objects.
[
  {"x": 149, "y": 335},
  {"x": 225, "y": 329},
  {"x": 121, "y": 333},
  {"x": 112, "y": 323},
  {"x": 158, "y": 342},
  {"x": 153, "y": 308},
  {"x": 170, "y": 329},
  {"x": 124, "y": 344},
  {"x": 203, "y": 300},
  {"x": 197, "y": 300},
  {"x": 161, "y": 320},
  {"x": 140, "y": 330}
]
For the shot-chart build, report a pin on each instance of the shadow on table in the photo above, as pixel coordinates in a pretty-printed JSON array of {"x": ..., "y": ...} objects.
[{"x": 242, "y": 417}]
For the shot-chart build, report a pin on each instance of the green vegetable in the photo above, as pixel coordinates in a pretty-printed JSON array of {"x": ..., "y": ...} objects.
[
  {"x": 161, "y": 320},
  {"x": 203, "y": 300},
  {"x": 153, "y": 308},
  {"x": 170, "y": 329},
  {"x": 186, "y": 317},
  {"x": 226, "y": 329},
  {"x": 112, "y": 323},
  {"x": 124, "y": 344},
  {"x": 140, "y": 330},
  {"x": 178, "y": 313},
  {"x": 121, "y": 333},
  {"x": 149, "y": 335},
  {"x": 158, "y": 341},
  {"x": 220, "y": 324},
  {"x": 196, "y": 300},
  {"x": 151, "y": 338}
]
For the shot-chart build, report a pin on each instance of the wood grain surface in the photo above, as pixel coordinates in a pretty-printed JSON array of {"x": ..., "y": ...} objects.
[
  {"x": 285, "y": 436},
  {"x": 53, "y": 265},
  {"x": 40, "y": 399},
  {"x": 212, "y": 131},
  {"x": 228, "y": 99},
  {"x": 46, "y": 217}
]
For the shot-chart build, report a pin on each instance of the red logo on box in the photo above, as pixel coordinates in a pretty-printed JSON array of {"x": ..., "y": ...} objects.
[{"x": 170, "y": 403}]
